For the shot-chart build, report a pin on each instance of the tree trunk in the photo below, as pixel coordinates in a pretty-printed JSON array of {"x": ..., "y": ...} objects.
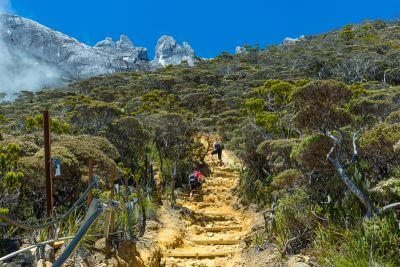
[
  {"x": 173, "y": 185},
  {"x": 369, "y": 206}
]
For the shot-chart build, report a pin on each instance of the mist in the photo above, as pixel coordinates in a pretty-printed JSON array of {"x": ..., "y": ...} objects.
[{"x": 19, "y": 70}]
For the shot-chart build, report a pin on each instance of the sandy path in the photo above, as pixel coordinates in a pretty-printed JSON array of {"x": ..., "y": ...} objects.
[{"x": 214, "y": 237}]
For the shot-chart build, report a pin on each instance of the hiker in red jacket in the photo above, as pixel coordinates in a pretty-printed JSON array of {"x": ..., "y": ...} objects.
[{"x": 195, "y": 182}]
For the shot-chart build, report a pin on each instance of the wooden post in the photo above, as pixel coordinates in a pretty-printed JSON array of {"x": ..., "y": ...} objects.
[
  {"x": 47, "y": 162},
  {"x": 126, "y": 185},
  {"x": 90, "y": 176}
]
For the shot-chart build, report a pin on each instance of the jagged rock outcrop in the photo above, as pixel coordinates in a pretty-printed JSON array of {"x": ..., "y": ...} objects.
[
  {"x": 290, "y": 41},
  {"x": 77, "y": 60},
  {"x": 240, "y": 50},
  {"x": 169, "y": 52}
]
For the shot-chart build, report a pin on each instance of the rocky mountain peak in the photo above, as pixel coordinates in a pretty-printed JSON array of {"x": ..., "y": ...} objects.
[
  {"x": 77, "y": 60},
  {"x": 169, "y": 52},
  {"x": 124, "y": 43},
  {"x": 108, "y": 42}
]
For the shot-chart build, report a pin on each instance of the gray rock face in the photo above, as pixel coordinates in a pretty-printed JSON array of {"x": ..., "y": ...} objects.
[
  {"x": 290, "y": 41},
  {"x": 240, "y": 50},
  {"x": 169, "y": 52},
  {"x": 77, "y": 60}
]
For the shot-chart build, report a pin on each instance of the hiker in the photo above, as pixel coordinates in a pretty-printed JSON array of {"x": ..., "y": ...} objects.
[
  {"x": 195, "y": 182},
  {"x": 217, "y": 149}
]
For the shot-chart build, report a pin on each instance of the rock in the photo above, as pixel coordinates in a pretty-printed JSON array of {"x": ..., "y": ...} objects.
[
  {"x": 298, "y": 261},
  {"x": 100, "y": 244},
  {"x": 113, "y": 262},
  {"x": 240, "y": 50},
  {"x": 290, "y": 41},
  {"x": 124, "y": 43},
  {"x": 41, "y": 263},
  {"x": 9, "y": 245},
  {"x": 152, "y": 225},
  {"x": 108, "y": 42},
  {"x": 128, "y": 253},
  {"x": 63, "y": 56},
  {"x": 24, "y": 259},
  {"x": 99, "y": 258},
  {"x": 49, "y": 253},
  {"x": 169, "y": 52},
  {"x": 72, "y": 57}
]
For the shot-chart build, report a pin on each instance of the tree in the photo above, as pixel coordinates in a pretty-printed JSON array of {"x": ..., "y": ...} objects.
[
  {"x": 319, "y": 107},
  {"x": 174, "y": 138}
]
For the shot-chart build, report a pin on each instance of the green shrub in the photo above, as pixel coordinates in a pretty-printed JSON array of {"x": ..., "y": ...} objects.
[
  {"x": 268, "y": 120},
  {"x": 294, "y": 220},
  {"x": 378, "y": 146},
  {"x": 287, "y": 179},
  {"x": 255, "y": 105},
  {"x": 376, "y": 244},
  {"x": 311, "y": 152}
]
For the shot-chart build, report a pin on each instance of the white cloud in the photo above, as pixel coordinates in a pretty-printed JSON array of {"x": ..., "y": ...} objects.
[
  {"x": 18, "y": 69},
  {"x": 5, "y": 6}
]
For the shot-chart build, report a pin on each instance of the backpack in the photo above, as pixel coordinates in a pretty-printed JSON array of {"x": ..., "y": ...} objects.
[
  {"x": 192, "y": 178},
  {"x": 217, "y": 146}
]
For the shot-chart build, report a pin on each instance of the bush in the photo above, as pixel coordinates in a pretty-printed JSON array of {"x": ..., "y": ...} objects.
[
  {"x": 294, "y": 220},
  {"x": 311, "y": 152},
  {"x": 376, "y": 244},
  {"x": 287, "y": 179},
  {"x": 378, "y": 147}
]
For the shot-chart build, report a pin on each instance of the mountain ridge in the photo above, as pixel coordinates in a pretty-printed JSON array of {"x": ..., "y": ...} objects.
[{"x": 77, "y": 60}]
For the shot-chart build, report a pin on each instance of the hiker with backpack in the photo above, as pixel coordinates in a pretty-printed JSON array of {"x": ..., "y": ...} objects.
[
  {"x": 217, "y": 149},
  {"x": 195, "y": 182}
]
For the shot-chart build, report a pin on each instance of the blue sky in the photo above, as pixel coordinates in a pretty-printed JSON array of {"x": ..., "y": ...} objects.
[{"x": 210, "y": 26}]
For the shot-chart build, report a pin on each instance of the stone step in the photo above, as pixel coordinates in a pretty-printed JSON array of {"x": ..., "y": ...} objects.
[
  {"x": 216, "y": 242},
  {"x": 222, "y": 228},
  {"x": 197, "y": 255}
]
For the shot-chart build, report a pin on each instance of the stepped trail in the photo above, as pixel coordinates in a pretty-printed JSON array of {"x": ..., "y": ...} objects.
[{"x": 213, "y": 237}]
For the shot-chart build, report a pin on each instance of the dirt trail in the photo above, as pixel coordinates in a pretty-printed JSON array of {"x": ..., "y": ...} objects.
[{"x": 214, "y": 237}]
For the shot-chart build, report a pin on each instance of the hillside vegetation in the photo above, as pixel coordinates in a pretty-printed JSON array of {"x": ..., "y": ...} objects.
[{"x": 314, "y": 123}]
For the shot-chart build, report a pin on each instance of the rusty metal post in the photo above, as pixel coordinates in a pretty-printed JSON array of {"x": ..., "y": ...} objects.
[
  {"x": 90, "y": 177},
  {"x": 47, "y": 162}
]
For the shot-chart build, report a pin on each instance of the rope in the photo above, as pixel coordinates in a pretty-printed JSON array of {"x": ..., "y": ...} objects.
[{"x": 25, "y": 226}]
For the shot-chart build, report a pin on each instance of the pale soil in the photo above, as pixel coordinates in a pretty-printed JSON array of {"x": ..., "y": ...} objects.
[
  {"x": 214, "y": 217},
  {"x": 216, "y": 226}
]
